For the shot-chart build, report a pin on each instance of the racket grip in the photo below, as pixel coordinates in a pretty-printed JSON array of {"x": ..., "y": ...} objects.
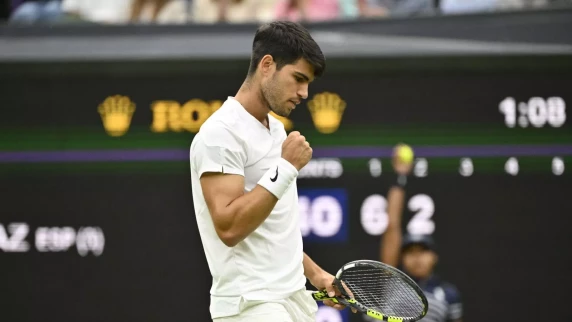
[{"x": 323, "y": 295}]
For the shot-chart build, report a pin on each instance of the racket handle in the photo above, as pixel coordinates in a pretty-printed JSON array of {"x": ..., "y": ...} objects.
[{"x": 323, "y": 295}]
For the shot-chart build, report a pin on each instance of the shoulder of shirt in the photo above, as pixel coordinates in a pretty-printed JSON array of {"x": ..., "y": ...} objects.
[
  {"x": 224, "y": 129},
  {"x": 226, "y": 120},
  {"x": 227, "y": 114}
]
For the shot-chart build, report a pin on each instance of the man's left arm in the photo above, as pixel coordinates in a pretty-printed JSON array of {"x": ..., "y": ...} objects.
[
  {"x": 317, "y": 276},
  {"x": 322, "y": 280}
]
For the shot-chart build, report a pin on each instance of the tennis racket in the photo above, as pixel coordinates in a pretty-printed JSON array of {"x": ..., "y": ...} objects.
[{"x": 379, "y": 291}]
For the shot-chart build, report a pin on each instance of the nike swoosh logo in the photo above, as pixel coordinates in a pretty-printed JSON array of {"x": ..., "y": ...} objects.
[{"x": 275, "y": 177}]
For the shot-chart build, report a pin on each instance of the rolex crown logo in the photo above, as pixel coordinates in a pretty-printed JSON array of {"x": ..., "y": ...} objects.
[
  {"x": 116, "y": 112},
  {"x": 327, "y": 110}
]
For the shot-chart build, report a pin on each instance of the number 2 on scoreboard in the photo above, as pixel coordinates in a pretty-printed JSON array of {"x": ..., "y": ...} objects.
[{"x": 424, "y": 208}]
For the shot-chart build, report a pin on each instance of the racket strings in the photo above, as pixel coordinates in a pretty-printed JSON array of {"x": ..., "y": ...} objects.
[{"x": 383, "y": 291}]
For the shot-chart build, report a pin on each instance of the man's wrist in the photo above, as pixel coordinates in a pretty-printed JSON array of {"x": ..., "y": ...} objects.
[
  {"x": 278, "y": 179},
  {"x": 287, "y": 164}
]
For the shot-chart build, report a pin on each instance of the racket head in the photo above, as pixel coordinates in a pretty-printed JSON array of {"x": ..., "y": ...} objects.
[{"x": 381, "y": 291}]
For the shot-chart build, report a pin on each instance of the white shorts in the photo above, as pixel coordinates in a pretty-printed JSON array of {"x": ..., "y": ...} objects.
[{"x": 300, "y": 307}]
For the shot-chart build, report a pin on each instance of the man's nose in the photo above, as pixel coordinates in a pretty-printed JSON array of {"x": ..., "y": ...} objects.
[{"x": 303, "y": 91}]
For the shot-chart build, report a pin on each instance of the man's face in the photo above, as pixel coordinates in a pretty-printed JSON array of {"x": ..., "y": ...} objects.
[
  {"x": 418, "y": 261},
  {"x": 287, "y": 87}
]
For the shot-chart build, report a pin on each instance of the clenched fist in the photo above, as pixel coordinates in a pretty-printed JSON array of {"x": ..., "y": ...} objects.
[{"x": 296, "y": 150}]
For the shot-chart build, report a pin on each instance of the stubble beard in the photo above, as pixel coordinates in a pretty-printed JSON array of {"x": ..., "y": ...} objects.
[{"x": 269, "y": 94}]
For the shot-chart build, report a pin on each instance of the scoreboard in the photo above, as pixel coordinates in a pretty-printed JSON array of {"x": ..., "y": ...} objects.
[{"x": 97, "y": 207}]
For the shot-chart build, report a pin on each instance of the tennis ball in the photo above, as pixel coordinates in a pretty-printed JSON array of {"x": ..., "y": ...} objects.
[{"x": 405, "y": 153}]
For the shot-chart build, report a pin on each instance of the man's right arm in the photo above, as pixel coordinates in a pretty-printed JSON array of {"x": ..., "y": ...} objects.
[
  {"x": 235, "y": 214},
  {"x": 219, "y": 159}
]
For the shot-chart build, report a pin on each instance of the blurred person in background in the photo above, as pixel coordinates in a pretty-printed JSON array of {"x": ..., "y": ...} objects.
[
  {"x": 159, "y": 11},
  {"x": 418, "y": 260},
  {"x": 117, "y": 12},
  {"x": 372, "y": 9},
  {"x": 308, "y": 10},
  {"x": 100, "y": 11},
  {"x": 396, "y": 8},
  {"x": 471, "y": 6},
  {"x": 316, "y": 10},
  {"x": 232, "y": 11},
  {"x": 35, "y": 11},
  {"x": 416, "y": 254}
]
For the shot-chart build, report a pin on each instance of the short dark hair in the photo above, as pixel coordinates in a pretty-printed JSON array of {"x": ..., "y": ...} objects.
[{"x": 286, "y": 42}]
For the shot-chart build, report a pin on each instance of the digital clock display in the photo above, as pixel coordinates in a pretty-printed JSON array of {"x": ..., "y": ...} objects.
[{"x": 537, "y": 112}]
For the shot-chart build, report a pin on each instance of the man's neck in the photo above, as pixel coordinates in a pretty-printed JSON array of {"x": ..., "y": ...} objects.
[{"x": 249, "y": 97}]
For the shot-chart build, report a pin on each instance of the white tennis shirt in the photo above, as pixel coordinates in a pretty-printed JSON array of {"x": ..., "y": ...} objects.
[{"x": 267, "y": 265}]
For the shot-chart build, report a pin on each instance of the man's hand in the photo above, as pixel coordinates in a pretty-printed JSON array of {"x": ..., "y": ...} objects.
[
  {"x": 325, "y": 281},
  {"x": 296, "y": 150}
]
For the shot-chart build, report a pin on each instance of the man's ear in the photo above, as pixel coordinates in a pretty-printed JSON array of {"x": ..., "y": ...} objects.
[{"x": 266, "y": 64}]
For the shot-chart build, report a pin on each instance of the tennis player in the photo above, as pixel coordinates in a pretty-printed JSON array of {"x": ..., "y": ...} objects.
[
  {"x": 244, "y": 169},
  {"x": 416, "y": 255}
]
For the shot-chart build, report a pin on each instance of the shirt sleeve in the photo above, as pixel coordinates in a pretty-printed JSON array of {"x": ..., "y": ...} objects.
[
  {"x": 217, "y": 149},
  {"x": 455, "y": 310}
]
